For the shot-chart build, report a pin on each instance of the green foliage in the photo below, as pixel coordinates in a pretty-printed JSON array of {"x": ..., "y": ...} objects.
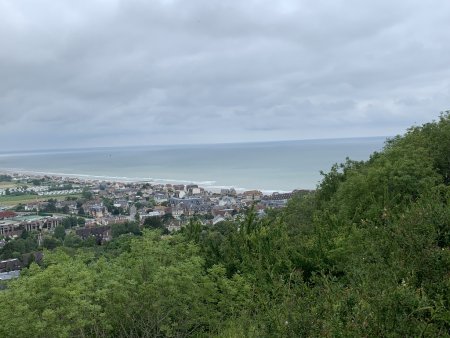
[
  {"x": 167, "y": 218},
  {"x": 19, "y": 207},
  {"x": 24, "y": 234},
  {"x": 17, "y": 247},
  {"x": 51, "y": 307},
  {"x": 156, "y": 223},
  {"x": 60, "y": 232},
  {"x": 163, "y": 282},
  {"x": 153, "y": 223},
  {"x": 86, "y": 194},
  {"x": 36, "y": 182},
  {"x": 50, "y": 207},
  {"x": 72, "y": 221},
  {"x": 73, "y": 241},
  {"x": 5, "y": 178},
  {"x": 125, "y": 228},
  {"x": 51, "y": 243}
]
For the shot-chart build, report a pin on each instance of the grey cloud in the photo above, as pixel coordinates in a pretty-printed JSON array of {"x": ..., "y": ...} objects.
[{"x": 101, "y": 72}]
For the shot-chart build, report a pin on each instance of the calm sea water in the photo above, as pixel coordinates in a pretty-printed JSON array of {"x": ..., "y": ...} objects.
[{"x": 269, "y": 166}]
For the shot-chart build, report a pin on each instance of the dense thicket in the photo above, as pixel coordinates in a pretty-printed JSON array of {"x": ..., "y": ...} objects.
[{"x": 367, "y": 254}]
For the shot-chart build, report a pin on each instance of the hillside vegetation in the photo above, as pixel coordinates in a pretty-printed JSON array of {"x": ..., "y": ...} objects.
[{"x": 367, "y": 254}]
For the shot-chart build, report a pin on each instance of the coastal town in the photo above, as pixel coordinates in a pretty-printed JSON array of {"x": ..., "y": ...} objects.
[{"x": 89, "y": 209}]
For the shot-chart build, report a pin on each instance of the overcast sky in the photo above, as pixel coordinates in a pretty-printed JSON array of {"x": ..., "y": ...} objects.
[{"x": 104, "y": 73}]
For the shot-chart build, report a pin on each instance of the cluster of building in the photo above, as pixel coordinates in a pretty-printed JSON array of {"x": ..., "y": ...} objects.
[
  {"x": 108, "y": 203},
  {"x": 116, "y": 202},
  {"x": 45, "y": 190},
  {"x": 13, "y": 224}
]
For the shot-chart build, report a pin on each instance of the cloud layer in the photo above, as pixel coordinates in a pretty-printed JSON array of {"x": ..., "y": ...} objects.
[{"x": 105, "y": 72}]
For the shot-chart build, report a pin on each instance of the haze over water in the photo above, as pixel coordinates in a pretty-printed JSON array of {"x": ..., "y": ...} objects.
[{"x": 268, "y": 166}]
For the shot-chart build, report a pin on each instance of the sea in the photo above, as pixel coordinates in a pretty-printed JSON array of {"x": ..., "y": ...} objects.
[{"x": 267, "y": 166}]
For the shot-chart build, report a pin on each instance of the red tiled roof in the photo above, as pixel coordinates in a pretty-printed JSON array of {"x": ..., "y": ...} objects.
[{"x": 7, "y": 214}]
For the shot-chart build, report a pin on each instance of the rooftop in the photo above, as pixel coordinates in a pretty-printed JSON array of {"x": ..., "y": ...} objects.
[
  {"x": 9, "y": 275},
  {"x": 29, "y": 218}
]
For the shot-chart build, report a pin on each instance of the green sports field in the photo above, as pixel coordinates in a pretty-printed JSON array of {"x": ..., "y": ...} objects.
[{"x": 14, "y": 200}]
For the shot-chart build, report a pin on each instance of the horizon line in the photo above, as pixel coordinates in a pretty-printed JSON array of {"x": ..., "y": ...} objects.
[{"x": 191, "y": 144}]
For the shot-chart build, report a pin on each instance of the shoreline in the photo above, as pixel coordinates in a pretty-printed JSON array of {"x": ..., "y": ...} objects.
[{"x": 87, "y": 178}]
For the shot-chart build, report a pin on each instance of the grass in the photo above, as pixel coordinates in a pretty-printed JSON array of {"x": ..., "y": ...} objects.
[
  {"x": 5, "y": 185},
  {"x": 24, "y": 199}
]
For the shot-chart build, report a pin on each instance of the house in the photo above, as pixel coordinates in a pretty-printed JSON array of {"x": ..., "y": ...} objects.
[
  {"x": 113, "y": 220},
  {"x": 223, "y": 212},
  {"x": 228, "y": 192},
  {"x": 150, "y": 214},
  {"x": 179, "y": 187},
  {"x": 179, "y": 193},
  {"x": 97, "y": 211},
  {"x": 160, "y": 197},
  {"x": 252, "y": 195},
  {"x": 177, "y": 211},
  {"x": 31, "y": 206},
  {"x": 173, "y": 225},
  {"x": 7, "y": 214},
  {"x": 218, "y": 219},
  {"x": 161, "y": 209},
  {"x": 276, "y": 200},
  {"x": 89, "y": 222},
  {"x": 121, "y": 203},
  {"x": 71, "y": 206},
  {"x": 133, "y": 212},
  {"x": 195, "y": 191},
  {"x": 32, "y": 222},
  {"x": 9, "y": 275},
  {"x": 36, "y": 257},
  {"x": 101, "y": 233},
  {"x": 158, "y": 187},
  {"x": 227, "y": 201},
  {"x": 10, "y": 265},
  {"x": 189, "y": 202},
  {"x": 13, "y": 227},
  {"x": 10, "y": 228}
]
